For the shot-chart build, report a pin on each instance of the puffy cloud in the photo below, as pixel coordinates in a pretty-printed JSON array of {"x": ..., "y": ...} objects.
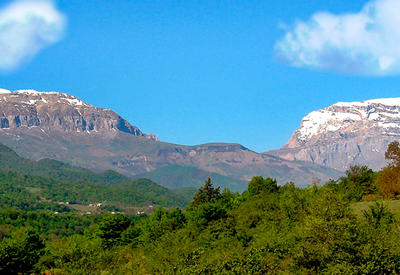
[
  {"x": 364, "y": 43},
  {"x": 26, "y": 28}
]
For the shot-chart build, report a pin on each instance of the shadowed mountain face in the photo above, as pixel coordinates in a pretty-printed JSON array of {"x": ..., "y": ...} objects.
[
  {"x": 60, "y": 126},
  {"x": 345, "y": 134}
]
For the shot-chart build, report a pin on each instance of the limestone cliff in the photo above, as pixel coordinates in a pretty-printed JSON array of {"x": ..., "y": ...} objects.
[{"x": 346, "y": 133}]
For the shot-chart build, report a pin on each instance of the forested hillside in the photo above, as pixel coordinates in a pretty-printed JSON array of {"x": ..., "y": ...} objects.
[
  {"x": 50, "y": 185},
  {"x": 11, "y": 161}
]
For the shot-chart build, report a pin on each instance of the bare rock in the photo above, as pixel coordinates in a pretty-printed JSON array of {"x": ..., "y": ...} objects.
[
  {"x": 58, "y": 112},
  {"x": 345, "y": 134}
]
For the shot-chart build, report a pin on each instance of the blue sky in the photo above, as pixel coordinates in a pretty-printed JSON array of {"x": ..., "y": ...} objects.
[{"x": 194, "y": 72}]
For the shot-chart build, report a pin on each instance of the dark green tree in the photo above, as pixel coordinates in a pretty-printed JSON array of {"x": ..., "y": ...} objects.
[
  {"x": 161, "y": 222},
  {"x": 258, "y": 185},
  {"x": 20, "y": 252},
  {"x": 110, "y": 229},
  {"x": 358, "y": 182},
  {"x": 207, "y": 193},
  {"x": 378, "y": 214}
]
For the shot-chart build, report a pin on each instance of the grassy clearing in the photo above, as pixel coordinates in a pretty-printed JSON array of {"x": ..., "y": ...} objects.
[
  {"x": 85, "y": 208},
  {"x": 33, "y": 190},
  {"x": 392, "y": 205}
]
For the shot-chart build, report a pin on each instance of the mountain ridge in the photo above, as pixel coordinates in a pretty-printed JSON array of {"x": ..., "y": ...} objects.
[
  {"x": 30, "y": 108},
  {"x": 346, "y": 133},
  {"x": 59, "y": 132}
]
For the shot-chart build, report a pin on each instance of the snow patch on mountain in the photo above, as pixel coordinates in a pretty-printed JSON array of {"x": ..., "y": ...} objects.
[
  {"x": 40, "y": 96},
  {"x": 383, "y": 113},
  {"x": 34, "y": 92},
  {"x": 4, "y": 91}
]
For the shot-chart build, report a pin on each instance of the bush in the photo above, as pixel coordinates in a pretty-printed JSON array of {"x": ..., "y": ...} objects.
[
  {"x": 20, "y": 252},
  {"x": 258, "y": 185}
]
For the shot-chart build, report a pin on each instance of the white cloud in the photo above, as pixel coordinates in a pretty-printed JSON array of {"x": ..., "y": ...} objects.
[
  {"x": 364, "y": 43},
  {"x": 26, "y": 28}
]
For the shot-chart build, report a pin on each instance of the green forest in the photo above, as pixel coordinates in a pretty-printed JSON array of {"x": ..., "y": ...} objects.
[
  {"x": 49, "y": 185},
  {"x": 346, "y": 226}
]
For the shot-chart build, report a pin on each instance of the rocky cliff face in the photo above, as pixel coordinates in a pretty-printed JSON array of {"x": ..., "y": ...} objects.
[
  {"x": 58, "y": 112},
  {"x": 346, "y": 133},
  {"x": 60, "y": 126}
]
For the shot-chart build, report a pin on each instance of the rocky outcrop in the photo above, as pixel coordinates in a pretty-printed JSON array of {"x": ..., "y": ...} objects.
[
  {"x": 60, "y": 126},
  {"x": 345, "y": 134},
  {"x": 58, "y": 112}
]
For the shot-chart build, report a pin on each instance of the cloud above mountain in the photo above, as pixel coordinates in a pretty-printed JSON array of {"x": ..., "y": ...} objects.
[
  {"x": 26, "y": 28},
  {"x": 363, "y": 43}
]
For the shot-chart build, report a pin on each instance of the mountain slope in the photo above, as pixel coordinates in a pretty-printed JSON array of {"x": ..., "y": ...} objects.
[
  {"x": 62, "y": 127},
  {"x": 26, "y": 182},
  {"x": 175, "y": 176},
  {"x": 11, "y": 161},
  {"x": 346, "y": 133}
]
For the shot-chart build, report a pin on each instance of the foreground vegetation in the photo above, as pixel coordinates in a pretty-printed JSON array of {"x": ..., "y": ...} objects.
[
  {"x": 343, "y": 226},
  {"x": 265, "y": 229}
]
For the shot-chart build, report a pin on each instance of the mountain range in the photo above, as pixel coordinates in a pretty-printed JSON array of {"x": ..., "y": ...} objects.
[
  {"x": 346, "y": 133},
  {"x": 60, "y": 126}
]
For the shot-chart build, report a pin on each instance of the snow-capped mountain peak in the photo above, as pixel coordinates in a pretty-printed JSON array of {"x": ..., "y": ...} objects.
[
  {"x": 383, "y": 113},
  {"x": 346, "y": 133}
]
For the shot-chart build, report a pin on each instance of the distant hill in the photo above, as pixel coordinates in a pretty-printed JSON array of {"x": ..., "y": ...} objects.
[
  {"x": 60, "y": 126},
  {"x": 31, "y": 185},
  {"x": 11, "y": 161},
  {"x": 175, "y": 176}
]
